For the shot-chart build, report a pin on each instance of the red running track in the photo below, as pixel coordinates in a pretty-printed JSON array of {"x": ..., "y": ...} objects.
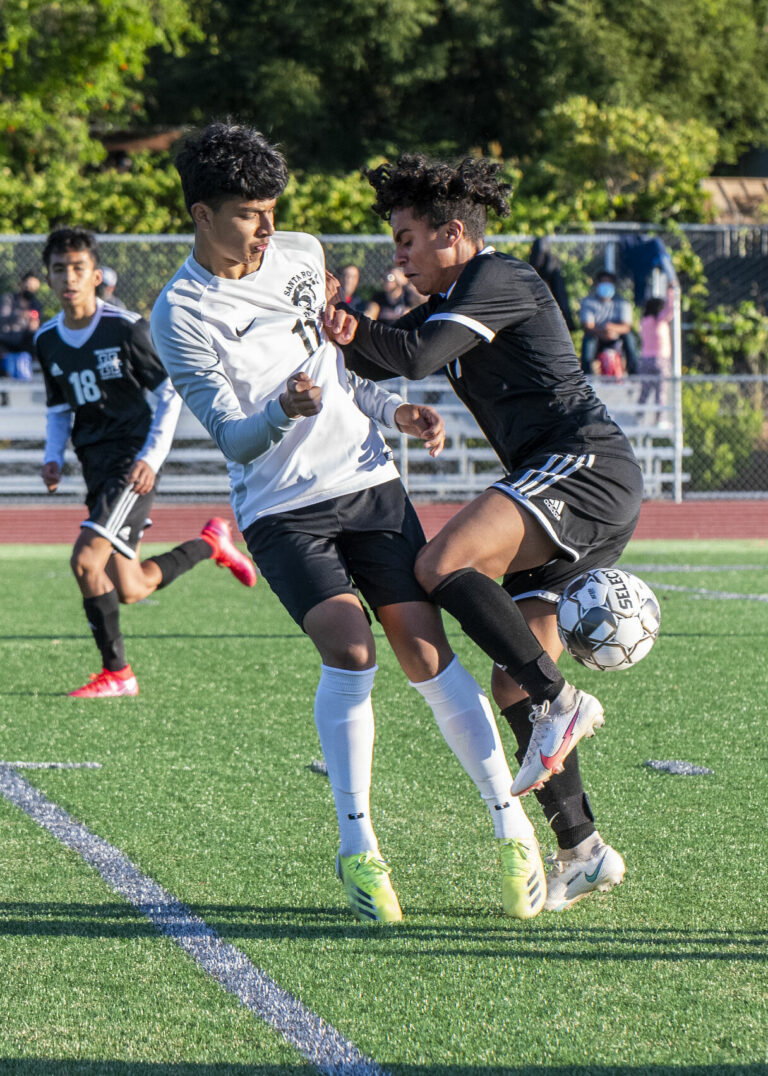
[{"x": 174, "y": 522}]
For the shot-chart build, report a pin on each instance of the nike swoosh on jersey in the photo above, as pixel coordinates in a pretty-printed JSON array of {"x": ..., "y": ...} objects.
[
  {"x": 242, "y": 332},
  {"x": 551, "y": 761}
]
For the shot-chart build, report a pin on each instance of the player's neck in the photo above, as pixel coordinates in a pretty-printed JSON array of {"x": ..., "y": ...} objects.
[
  {"x": 80, "y": 315},
  {"x": 220, "y": 265}
]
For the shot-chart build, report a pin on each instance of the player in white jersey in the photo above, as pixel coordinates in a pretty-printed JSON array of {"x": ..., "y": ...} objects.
[
  {"x": 98, "y": 362},
  {"x": 317, "y": 496}
]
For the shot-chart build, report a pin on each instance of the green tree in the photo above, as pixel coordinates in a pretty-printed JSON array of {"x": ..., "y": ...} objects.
[
  {"x": 70, "y": 70},
  {"x": 620, "y": 163}
]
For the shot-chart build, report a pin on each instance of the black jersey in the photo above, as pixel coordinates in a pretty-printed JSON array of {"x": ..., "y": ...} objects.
[
  {"x": 501, "y": 340},
  {"x": 103, "y": 380}
]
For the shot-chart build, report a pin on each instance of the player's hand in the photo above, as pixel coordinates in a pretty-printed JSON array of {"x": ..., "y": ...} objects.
[
  {"x": 419, "y": 420},
  {"x": 340, "y": 326},
  {"x": 51, "y": 474},
  {"x": 142, "y": 476},
  {"x": 333, "y": 292},
  {"x": 302, "y": 397}
]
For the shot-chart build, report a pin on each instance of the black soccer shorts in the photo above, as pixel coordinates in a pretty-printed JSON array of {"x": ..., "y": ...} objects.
[
  {"x": 116, "y": 511},
  {"x": 365, "y": 541},
  {"x": 588, "y": 504}
]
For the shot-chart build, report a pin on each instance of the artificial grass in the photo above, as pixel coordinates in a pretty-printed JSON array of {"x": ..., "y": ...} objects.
[{"x": 205, "y": 784}]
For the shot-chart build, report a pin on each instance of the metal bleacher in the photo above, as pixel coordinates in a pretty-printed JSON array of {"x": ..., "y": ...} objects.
[{"x": 195, "y": 468}]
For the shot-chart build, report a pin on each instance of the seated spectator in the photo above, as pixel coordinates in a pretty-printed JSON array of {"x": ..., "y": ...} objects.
[
  {"x": 19, "y": 321},
  {"x": 394, "y": 299},
  {"x": 606, "y": 319},
  {"x": 349, "y": 278},
  {"x": 548, "y": 267},
  {"x": 106, "y": 290}
]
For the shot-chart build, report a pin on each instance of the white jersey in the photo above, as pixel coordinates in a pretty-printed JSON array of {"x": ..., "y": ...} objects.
[{"x": 230, "y": 346}]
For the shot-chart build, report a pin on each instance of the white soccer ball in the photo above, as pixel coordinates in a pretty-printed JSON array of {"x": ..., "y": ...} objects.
[{"x": 608, "y": 619}]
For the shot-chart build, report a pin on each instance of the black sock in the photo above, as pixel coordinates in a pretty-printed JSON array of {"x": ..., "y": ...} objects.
[
  {"x": 179, "y": 560},
  {"x": 491, "y": 618},
  {"x": 566, "y": 804},
  {"x": 103, "y": 616}
]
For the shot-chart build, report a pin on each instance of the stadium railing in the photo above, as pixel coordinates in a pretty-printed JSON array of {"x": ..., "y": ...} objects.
[{"x": 195, "y": 467}]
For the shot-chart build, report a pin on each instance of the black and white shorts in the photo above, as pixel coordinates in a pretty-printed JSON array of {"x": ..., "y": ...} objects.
[
  {"x": 588, "y": 504},
  {"x": 116, "y": 511},
  {"x": 365, "y": 541}
]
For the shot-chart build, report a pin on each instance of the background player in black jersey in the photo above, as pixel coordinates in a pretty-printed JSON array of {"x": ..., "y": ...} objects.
[
  {"x": 97, "y": 361},
  {"x": 570, "y": 498}
]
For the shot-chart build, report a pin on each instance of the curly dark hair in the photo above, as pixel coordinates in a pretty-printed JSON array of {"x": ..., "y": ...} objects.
[
  {"x": 438, "y": 191},
  {"x": 227, "y": 160},
  {"x": 63, "y": 240}
]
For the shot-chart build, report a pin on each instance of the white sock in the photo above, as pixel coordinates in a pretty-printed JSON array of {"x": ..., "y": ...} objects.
[
  {"x": 344, "y": 720},
  {"x": 465, "y": 718}
]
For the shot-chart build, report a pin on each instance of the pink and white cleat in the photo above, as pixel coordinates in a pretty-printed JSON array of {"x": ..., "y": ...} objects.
[
  {"x": 108, "y": 685},
  {"x": 557, "y": 728},
  {"x": 218, "y": 534}
]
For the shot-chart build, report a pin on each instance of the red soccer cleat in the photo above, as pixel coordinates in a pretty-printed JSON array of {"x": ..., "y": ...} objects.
[
  {"x": 218, "y": 534},
  {"x": 108, "y": 685}
]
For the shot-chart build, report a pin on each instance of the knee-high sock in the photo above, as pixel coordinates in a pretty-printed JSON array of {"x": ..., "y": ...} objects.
[
  {"x": 465, "y": 718},
  {"x": 491, "y": 618},
  {"x": 344, "y": 720},
  {"x": 565, "y": 803},
  {"x": 103, "y": 616},
  {"x": 181, "y": 559}
]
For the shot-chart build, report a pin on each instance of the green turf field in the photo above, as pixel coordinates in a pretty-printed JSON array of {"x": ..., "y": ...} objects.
[{"x": 204, "y": 784}]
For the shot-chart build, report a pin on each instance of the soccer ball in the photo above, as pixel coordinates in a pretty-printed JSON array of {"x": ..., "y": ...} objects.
[{"x": 608, "y": 619}]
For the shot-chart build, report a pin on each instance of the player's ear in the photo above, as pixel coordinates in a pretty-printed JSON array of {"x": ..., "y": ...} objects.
[
  {"x": 201, "y": 214},
  {"x": 98, "y": 276},
  {"x": 454, "y": 230}
]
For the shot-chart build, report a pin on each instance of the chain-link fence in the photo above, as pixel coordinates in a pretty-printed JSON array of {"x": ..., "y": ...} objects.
[{"x": 711, "y": 440}]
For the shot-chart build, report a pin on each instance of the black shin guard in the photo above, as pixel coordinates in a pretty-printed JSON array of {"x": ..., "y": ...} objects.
[
  {"x": 179, "y": 560},
  {"x": 103, "y": 616},
  {"x": 565, "y": 803},
  {"x": 491, "y": 618}
]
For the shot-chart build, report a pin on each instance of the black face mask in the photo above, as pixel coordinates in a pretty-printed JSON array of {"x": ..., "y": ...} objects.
[{"x": 27, "y": 294}]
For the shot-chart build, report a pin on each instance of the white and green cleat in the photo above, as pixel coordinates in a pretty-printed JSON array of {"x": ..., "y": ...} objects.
[
  {"x": 523, "y": 883},
  {"x": 369, "y": 891},
  {"x": 592, "y": 867}
]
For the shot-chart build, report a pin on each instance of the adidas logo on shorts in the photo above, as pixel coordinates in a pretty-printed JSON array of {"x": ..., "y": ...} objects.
[{"x": 555, "y": 507}]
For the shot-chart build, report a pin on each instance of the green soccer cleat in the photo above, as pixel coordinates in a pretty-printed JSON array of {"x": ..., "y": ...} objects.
[
  {"x": 523, "y": 882},
  {"x": 369, "y": 891}
]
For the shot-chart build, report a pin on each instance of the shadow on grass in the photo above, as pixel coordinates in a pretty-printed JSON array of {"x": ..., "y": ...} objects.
[
  {"x": 65, "y": 1067},
  {"x": 485, "y": 937}
]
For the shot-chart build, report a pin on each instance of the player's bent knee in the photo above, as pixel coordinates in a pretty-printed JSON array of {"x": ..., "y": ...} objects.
[{"x": 432, "y": 566}]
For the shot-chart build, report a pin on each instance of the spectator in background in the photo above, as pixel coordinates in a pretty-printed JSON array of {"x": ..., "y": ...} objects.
[
  {"x": 19, "y": 321},
  {"x": 655, "y": 366},
  {"x": 394, "y": 299},
  {"x": 548, "y": 267},
  {"x": 106, "y": 289},
  {"x": 606, "y": 319},
  {"x": 349, "y": 278}
]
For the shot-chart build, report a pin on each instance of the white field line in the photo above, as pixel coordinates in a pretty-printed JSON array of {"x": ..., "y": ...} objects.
[
  {"x": 699, "y": 592},
  {"x": 322, "y": 1045}
]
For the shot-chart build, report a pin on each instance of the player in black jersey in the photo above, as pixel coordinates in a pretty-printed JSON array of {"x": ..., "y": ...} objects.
[
  {"x": 570, "y": 498},
  {"x": 98, "y": 361}
]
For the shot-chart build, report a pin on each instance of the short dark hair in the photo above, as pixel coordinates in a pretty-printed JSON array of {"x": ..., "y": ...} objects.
[
  {"x": 65, "y": 239},
  {"x": 605, "y": 274},
  {"x": 438, "y": 191},
  {"x": 227, "y": 160}
]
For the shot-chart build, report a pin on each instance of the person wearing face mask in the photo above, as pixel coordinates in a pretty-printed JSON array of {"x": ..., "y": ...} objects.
[{"x": 606, "y": 319}]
